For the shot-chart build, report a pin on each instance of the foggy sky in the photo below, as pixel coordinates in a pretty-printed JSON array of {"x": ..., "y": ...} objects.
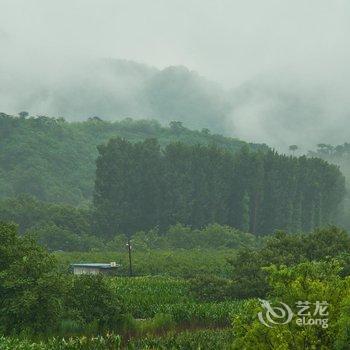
[{"x": 300, "y": 45}]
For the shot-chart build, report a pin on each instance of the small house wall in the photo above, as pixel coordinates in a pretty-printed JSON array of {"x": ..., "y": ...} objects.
[{"x": 86, "y": 271}]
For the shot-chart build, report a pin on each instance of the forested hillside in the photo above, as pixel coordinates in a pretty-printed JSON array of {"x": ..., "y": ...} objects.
[
  {"x": 218, "y": 182},
  {"x": 54, "y": 160}
]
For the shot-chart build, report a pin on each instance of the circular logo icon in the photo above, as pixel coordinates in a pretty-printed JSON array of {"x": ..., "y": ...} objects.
[{"x": 276, "y": 315}]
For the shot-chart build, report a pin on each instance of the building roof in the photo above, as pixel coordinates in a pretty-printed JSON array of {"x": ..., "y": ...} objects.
[{"x": 96, "y": 265}]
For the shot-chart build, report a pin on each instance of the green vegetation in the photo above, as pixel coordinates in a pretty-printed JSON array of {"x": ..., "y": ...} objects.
[
  {"x": 311, "y": 281},
  {"x": 36, "y": 299},
  {"x": 207, "y": 339},
  {"x": 54, "y": 160},
  {"x": 28, "y": 285},
  {"x": 249, "y": 276},
  {"x": 179, "y": 263},
  {"x": 204, "y": 339},
  {"x": 110, "y": 342},
  {"x": 339, "y": 155},
  {"x": 138, "y": 186},
  {"x": 142, "y": 296},
  {"x": 63, "y": 227},
  {"x": 185, "y": 200},
  {"x": 188, "y": 310},
  {"x": 91, "y": 305}
]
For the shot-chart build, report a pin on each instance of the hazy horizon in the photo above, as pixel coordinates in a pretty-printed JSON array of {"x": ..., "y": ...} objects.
[{"x": 288, "y": 58}]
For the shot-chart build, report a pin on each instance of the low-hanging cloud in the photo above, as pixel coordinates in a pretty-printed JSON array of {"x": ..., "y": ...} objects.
[{"x": 283, "y": 65}]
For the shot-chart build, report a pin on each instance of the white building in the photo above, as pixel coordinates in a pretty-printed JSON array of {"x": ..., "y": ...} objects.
[{"x": 94, "y": 268}]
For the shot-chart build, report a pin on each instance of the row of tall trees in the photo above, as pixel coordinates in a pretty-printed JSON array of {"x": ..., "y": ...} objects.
[{"x": 140, "y": 186}]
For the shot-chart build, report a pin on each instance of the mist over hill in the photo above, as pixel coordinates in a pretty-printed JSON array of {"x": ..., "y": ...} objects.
[
  {"x": 283, "y": 108},
  {"x": 115, "y": 89},
  {"x": 277, "y": 109}
]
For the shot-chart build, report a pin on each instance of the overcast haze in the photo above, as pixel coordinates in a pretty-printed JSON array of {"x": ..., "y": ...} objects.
[{"x": 295, "y": 49}]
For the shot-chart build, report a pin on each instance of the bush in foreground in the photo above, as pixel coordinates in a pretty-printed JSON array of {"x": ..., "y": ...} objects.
[
  {"x": 30, "y": 290},
  {"x": 312, "y": 282}
]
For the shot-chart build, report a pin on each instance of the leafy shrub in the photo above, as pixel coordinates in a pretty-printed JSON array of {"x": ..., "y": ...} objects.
[
  {"x": 54, "y": 238},
  {"x": 159, "y": 324},
  {"x": 211, "y": 288},
  {"x": 30, "y": 288},
  {"x": 309, "y": 281},
  {"x": 212, "y": 236},
  {"x": 249, "y": 278},
  {"x": 92, "y": 301}
]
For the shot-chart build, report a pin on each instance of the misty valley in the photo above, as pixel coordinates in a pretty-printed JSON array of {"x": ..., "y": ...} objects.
[{"x": 174, "y": 175}]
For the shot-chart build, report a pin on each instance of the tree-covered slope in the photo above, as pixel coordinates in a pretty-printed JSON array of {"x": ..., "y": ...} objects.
[{"x": 54, "y": 160}]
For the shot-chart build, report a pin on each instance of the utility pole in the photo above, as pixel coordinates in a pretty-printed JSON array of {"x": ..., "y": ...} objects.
[{"x": 129, "y": 251}]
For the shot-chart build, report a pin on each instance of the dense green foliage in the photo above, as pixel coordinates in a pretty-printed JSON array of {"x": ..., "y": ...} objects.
[
  {"x": 92, "y": 300},
  {"x": 290, "y": 268},
  {"x": 213, "y": 236},
  {"x": 186, "y": 201},
  {"x": 30, "y": 214},
  {"x": 54, "y": 226},
  {"x": 63, "y": 227},
  {"x": 91, "y": 304},
  {"x": 29, "y": 289},
  {"x": 249, "y": 277},
  {"x": 139, "y": 186},
  {"x": 164, "y": 312},
  {"x": 36, "y": 299},
  {"x": 54, "y": 160},
  {"x": 339, "y": 155},
  {"x": 210, "y": 287},
  {"x": 311, "y": 281}
]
